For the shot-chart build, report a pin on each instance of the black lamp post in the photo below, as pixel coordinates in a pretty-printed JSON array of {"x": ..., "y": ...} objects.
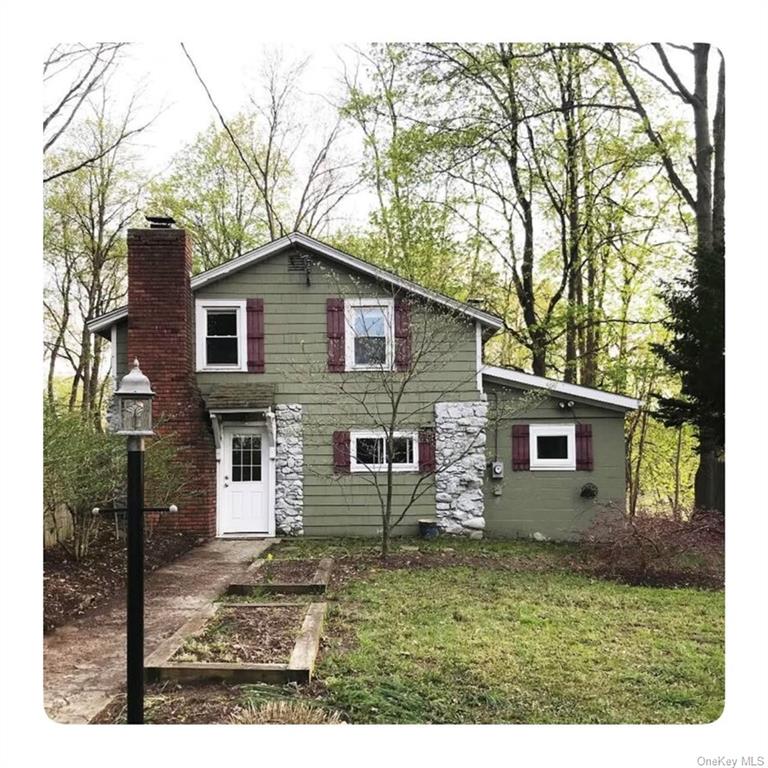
[{"x": 134, "y": 398}]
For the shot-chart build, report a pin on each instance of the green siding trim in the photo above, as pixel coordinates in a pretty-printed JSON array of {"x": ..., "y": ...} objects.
[
  {"x": 296, "y": 343},
  {"x": 549, "y": 502}
]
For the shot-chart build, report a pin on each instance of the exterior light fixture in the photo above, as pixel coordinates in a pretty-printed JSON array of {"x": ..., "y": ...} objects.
[{"x": 134, "y": 398}]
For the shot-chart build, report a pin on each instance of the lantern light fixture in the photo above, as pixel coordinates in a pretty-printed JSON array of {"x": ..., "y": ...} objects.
[{"x": 134, "y": 398}]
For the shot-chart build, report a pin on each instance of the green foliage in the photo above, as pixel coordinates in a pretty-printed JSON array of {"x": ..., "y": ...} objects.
[
  {"x": 84, "y": 467},
  {"x": 668, "y": 469},
  {"x": 210, "y": 192},
  {"x": 80, "y": 471},
  {"x": 697, "y": 349}
]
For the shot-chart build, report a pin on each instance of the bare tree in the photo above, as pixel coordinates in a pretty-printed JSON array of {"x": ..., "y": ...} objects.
[
  {"x": 410, "y": 365},
  {"x": 73, "y": 74},
  {"x": 272, "y": 155}
]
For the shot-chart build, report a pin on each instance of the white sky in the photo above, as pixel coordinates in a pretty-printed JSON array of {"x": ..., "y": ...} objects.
[{"x": 168, "y": 86}]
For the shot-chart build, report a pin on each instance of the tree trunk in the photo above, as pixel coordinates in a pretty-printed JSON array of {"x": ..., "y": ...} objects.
[
  {"x": 709, "y": 484},
  {"x": 704, "y": 150},
  {"x": 678, "y": 455}
]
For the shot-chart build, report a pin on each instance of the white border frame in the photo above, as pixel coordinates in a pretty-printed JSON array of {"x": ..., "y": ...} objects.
[
  {"x": 257, "y": 427},
  {"x": 201, "y": 308},
  {"x": 388, "y": 305},
  {"x": 354, "y": 435},
  {"x": 542, "y": 430}
]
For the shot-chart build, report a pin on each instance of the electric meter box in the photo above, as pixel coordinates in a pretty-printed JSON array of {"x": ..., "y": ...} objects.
[{"x": 497, "y": 470}]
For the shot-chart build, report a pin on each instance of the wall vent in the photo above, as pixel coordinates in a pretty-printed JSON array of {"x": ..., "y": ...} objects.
[{"x": 298, "y": 262}]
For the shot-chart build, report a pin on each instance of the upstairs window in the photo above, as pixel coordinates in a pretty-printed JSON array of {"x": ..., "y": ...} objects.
[
  {"x": 221, "y": 338},
  {"x": 369, "y": 334},
  {"x": 368, "y": 452},
  {"x": 553, "y": 446}
]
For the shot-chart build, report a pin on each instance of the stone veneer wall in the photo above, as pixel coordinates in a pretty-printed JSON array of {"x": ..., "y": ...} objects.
[
  {"x": 460, "y": 457},
  {"x": 289, "y": 469}
]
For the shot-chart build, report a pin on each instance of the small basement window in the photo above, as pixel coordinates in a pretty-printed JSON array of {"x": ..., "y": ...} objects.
[
  {"x": 368, "y": 452},
  {"x": 553, "y": 446},
  {"x": 220, "y": 334},
  {"x": 369, "y": 336}
]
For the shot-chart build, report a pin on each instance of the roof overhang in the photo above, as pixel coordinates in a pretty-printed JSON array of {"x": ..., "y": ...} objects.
[
  {"x": 104, "y": 322},
  {"x": 561, "y": 388}
]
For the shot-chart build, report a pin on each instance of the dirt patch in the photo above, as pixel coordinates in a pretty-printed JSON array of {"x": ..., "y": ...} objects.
[
  {"x": 190, "y": 703},
  {"x": 72, "y": 588},
  {"x": 245, "y": 635},
  {"x": 171, "y": 703},
  {"x": 286, "y": 572}
]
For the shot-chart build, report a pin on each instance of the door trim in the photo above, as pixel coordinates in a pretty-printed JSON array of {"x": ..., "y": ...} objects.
[{"x": 267, "y": 437}]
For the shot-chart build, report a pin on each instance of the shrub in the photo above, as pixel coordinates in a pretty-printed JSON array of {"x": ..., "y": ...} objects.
[
  {"x": 657, "y": 547},
  {"x": 84, "y": 468}
]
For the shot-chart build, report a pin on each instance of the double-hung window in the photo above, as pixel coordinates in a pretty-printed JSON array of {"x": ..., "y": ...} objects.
[
  {"x": 221, "y": 336},
  {"x": 369, "y": 337},
  {"x": 553, "y": 446},
  {"x": 368, "y": 451}
]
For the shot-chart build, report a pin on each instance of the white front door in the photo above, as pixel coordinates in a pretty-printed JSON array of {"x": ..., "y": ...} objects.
[{"x": 244, "y": 501}]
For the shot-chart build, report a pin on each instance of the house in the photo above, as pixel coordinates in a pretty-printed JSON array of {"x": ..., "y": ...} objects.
[{"x": 277, "y": 370}]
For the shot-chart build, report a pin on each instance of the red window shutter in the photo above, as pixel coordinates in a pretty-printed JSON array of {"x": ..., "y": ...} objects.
[
  {"x": 521, "y": 447},
  {"x": 341, "y": 451},
  {"x": 584, "y": 458},
  {"x": 334, "y": 313},
  {"x": 255, "y": 316},
  {"x": 427, "y": 450},
  {"x": 402, "y": 335}
]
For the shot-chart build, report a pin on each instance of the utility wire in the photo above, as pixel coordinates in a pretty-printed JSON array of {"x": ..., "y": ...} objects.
[{"x": 272, "y": 213}]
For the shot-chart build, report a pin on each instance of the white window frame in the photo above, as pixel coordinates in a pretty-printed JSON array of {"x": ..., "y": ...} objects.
[
  {"x": 388, "y": 305},
  {"x": 552, "y": 430},
  {"x": 354, "y": 436},
  {"x": 201, "y": 328}
]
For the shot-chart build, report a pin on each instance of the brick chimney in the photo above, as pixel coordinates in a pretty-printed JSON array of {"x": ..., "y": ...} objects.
[{"x": 160, "y": 335}]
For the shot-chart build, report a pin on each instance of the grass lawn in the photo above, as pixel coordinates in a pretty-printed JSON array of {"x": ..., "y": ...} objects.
[{"x": 511, "y": 633}]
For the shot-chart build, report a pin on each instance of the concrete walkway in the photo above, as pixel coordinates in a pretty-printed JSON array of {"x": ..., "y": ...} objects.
[{"x": 84, "y": 662}]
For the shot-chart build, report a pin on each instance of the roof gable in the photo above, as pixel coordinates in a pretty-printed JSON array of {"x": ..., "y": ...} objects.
[{"x": 321, "y": 249}]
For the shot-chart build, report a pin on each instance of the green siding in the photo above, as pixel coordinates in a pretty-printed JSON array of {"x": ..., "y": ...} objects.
[
  {"x": 549, "y": 501},
  {"x": 296, "y": 361}
]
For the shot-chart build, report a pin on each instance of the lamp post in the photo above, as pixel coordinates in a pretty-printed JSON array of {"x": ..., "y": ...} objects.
[{"x": 134, "y": 399}]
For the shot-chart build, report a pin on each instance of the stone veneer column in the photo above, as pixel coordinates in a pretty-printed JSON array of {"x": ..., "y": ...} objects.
[
  {"x": 460, "y": 458},
  {"x": 289, "y": 469}
]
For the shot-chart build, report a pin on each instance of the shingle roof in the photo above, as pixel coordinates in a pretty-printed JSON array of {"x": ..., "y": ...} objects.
[{"x": 226, "y": 397}]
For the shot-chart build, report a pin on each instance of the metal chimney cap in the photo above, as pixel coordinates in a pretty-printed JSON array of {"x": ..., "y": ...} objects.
[{"x": 160, "y": 222}]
